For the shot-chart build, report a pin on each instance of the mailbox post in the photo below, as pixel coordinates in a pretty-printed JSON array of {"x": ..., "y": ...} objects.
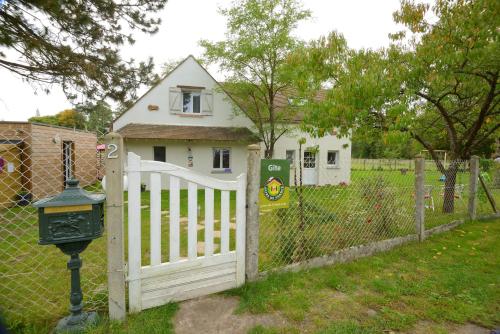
[{"x": 71, "y": 220}]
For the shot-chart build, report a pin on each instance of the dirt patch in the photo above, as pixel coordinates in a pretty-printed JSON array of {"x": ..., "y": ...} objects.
[
  {"x": 216, "y": 314},
  {"x": 424, "y": 327}
]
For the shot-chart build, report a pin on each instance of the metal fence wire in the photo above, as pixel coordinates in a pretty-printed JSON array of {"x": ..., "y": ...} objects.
[
  {"x": 489, "y": 171},
  {"x": 377, "y": 204},
  {"x": 35, "y": 162}
]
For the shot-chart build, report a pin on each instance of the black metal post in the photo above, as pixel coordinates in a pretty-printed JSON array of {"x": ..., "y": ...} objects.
[
  {"x": 78, "y": 320},
  {"x": 76, "y": 296}
]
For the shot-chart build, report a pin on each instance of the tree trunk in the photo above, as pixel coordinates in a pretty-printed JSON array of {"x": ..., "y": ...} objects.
[{"x": 449, "y": 187}]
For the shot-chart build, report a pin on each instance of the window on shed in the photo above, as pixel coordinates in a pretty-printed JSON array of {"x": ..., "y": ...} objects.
[
  {"x": 332, "y": 158},
  {"x": 159, "y": 153},
  {"x": 290, "y": 156},
  {"x": 309, "y": 159}
]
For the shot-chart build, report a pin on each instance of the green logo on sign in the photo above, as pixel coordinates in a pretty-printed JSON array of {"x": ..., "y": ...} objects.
[{"x": 274, "y": 189}]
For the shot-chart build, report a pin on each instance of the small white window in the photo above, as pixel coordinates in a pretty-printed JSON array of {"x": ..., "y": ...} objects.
[
  {"x": 290, "y": 156},
  {"x": 332, "y": 158},
  {"x": 191, "y": 102},
  {"x": 221, "y": 159}
]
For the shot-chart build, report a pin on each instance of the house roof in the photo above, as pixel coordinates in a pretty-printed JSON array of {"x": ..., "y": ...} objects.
[
  {"x": 187, "y": 132},
  {"x": 282, "y": 101}
]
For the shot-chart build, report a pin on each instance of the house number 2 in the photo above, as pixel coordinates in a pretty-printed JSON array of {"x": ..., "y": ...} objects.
[{"x": 112, "y": 149}]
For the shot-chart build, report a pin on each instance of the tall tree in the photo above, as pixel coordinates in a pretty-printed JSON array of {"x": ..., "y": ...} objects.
[
  {"x": 439, "y": 78},
  {"x": 75, "y": 44},
  {"x": 98, "y": 116},
  {"x": 71, "y": 118},
  {"x": 258, "y": 41}
]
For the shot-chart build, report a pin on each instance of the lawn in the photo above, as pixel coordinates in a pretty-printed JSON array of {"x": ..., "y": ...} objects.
[{"x": 448, "y": 280}]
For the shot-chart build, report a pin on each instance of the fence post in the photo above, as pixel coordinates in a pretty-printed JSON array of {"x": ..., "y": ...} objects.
[
  {"x": 419, "y": 197},
  {"x": 114, "y": 225},
  {"x": 252, "y": 214},
  {"x": 473, "y": 185}
]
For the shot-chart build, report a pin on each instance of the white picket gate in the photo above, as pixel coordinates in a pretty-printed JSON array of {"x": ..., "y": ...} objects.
[{"x": 176, "y": 278}]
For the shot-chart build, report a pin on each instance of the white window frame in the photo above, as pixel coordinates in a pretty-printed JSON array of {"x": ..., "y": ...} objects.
[
  {"x": 307, "y": 162},
  {"x": 190, "y": 105},
  {"x": 337, "y": 158},
  {"x": 292, "y": 162},
  {"x": 221, "y": 169}
]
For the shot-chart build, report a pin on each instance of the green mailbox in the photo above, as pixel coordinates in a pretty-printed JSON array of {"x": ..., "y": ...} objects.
[
  {"x": 71, "y": 220},
  {"x": 73, "y": 215}
]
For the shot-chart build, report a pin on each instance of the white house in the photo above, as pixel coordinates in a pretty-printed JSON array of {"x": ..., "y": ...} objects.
[{"x": 187, "y": 121}]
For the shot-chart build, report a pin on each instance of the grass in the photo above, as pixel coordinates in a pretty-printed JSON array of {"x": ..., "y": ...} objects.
[
  {"x": 453, "y": 278},
  {"x": 450, "y": 279}
]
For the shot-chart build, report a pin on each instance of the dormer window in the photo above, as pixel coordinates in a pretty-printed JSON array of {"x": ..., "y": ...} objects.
[{"x": 191, "y": 102}]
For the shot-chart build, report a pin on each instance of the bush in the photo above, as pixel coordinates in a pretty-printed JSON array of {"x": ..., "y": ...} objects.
[
  {"x": 294, "y": 244},
  {"x": 380, "y": 204}
]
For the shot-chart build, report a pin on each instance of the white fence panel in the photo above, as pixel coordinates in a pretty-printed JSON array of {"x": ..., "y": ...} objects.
[{"x": 183, "y": 278}]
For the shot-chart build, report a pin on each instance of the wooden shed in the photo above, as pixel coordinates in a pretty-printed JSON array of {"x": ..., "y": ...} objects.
[{"x": 37, "y": 159}]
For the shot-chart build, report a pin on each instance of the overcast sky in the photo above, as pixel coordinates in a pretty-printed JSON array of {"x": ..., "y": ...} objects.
[{"x": 364, "y": 23}]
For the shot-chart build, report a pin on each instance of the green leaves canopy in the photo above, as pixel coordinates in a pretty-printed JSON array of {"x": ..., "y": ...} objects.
[
  {"x": 254, "y": 56},
  {"x": 75, "y": 44},
  {"x": 438, "y": 80}
]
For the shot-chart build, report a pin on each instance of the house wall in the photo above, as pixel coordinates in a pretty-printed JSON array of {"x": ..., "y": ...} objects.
[
  {"x": 177, "y": 153},
  {"x": 189, "y": 73},
  {"x": 326, "y": 174}
]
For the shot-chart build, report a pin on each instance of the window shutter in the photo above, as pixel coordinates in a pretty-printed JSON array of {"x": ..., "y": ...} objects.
[
  {"x": 208, "y": 101},
  {"x": 174, "y": 99}
]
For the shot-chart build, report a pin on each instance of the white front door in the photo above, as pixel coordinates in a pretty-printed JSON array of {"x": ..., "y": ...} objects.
[{"x": 310, "y": 168}]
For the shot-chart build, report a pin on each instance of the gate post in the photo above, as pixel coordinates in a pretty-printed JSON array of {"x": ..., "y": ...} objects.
[
  {"x": 114, "y": 226},
  {"x": 419, "y": 197},
  {"x": 473, "y": 186},
  {"x": 252, "y": 214}
]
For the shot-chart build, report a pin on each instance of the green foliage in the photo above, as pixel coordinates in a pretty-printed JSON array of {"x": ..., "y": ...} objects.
[
  {"x": 68, "y": 118},
  {"x": 51, "y": 119},
  {"x": 76, "y": 44},
  {"x": 257, "y": 66},
  {"x": 95, "y": 117},
  {"x": 379, "y": 199},
  {"x": 438, "y": 82},
  {"x": 485, "y": 164},
  {"x": 296, "y": 243},
  {"x": 71, "y": 118},
  {"x": 98, "y": 116}
]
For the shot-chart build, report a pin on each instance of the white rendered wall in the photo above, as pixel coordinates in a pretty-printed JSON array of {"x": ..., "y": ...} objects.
[
  {"x": 326, "y": 174},
  {"x": 189, "y": 73},
  {"x": 177, "y": 153}
]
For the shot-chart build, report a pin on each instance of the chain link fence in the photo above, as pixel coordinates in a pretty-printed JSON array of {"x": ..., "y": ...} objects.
[
  {"x": 35, "y": 162},
  {"x": 446, "y": 193},
  {"x": 489, "y": 170},
  {"x": 377, "y": 204}
]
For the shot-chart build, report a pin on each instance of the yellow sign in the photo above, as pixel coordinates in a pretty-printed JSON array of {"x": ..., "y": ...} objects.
[{"x": 70, "y": 208}]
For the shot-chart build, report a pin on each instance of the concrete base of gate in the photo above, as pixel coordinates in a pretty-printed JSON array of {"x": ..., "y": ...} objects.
[{"x": 216, "y": 314}]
